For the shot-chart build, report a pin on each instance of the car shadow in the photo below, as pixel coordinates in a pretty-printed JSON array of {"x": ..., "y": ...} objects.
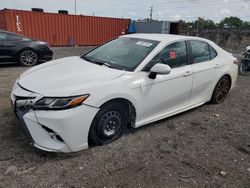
[
  {"x": 15, "y": 64},
  {"x": 15, "y": 145},
  {"x": 9, "y": 64}
]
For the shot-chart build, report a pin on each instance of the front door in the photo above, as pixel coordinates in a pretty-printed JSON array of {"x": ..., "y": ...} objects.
[
  {"x": 5, "y": 47},
  {"x": 169, "y": 93}
]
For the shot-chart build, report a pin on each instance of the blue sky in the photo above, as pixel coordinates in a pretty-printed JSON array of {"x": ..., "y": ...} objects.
[{"x": 135, "y": 9}]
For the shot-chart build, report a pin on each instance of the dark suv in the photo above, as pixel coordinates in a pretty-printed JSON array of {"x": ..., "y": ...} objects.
[
  {"x": 244, "y": 68},
  {"x": 26, "y": 51}
]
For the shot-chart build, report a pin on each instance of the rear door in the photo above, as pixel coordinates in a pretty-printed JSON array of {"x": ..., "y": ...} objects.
[{"x": 206, "y": 69}]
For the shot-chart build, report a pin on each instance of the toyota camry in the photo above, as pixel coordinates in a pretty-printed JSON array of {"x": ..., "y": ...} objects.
[{"x": 68, "y": 104}]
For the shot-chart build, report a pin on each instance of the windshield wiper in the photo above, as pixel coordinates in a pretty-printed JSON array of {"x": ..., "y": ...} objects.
[
  {"x": 102, "y": 62},
  {"x": 87, "y": 59},
  {"x": 98, "y": 62}
]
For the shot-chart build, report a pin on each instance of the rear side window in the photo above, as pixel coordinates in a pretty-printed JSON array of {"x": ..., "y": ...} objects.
[
  {"x": 200, "y": 51},
  {"x": 174, "y": 55},
  {"x": 213, "y": 53}
]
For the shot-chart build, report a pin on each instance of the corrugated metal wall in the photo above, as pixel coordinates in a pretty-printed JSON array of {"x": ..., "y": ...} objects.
[
  {"x": 62, "y": 29},
  {"x": 2, "y": 20}
]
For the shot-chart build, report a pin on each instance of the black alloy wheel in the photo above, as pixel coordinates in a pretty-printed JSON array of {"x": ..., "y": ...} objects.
[
  {"x": 221, "y": 90},
  {"x": 28, "y": 58}
]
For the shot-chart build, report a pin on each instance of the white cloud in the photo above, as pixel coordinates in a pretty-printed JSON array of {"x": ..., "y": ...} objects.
[
  {"x": 160, "y": 15},
  {"x": 162, "y": 9},
  {"x": 245, "y": 6},
  {"x": 225, "y": 11},
  {"x": 132, "y": 13},
  {"x": 175, "y": 18}
]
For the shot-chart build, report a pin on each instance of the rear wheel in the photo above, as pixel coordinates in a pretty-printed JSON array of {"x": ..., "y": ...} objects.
[
  {"x": 108, "y": 124},
  {"x": 221, "y": 90},
  {"x": 28, "y": 58}
]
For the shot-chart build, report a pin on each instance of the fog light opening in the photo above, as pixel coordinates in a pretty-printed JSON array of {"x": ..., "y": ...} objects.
[{"x": 53, "y": 135}]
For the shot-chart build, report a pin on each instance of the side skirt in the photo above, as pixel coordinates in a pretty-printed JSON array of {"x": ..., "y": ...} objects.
[{"x": 166, "y": 115}]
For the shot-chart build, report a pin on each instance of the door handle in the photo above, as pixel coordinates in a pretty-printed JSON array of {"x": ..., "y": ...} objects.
[
  {"x": 217, "y": 66},
  {"x": 188, "y": 73}
]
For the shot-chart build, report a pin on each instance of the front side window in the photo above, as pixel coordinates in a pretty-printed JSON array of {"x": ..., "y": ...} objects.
[
  {"x": 123, "y": 53},
  {"x": 174, "y": 55},
  {"x": 247, "y": 55},
  {"x": 3, "y": 36},
  {"x": 14, "y": 37},
  {"x": 200, "y": 51}
]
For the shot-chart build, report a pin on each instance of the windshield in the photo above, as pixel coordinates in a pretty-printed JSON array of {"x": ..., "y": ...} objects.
[
  {"x": 122, "y": 53},
  {"x": 247, "y": 55}
]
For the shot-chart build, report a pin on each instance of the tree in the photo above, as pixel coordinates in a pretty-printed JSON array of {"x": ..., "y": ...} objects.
[
  {"x": 208, "y": 24},
  {"x": 202, "y": 24},
  {"x": 246, "y": 25},
  {"x": 186, "y": 25},
  {"x": 231, "y": 22}
]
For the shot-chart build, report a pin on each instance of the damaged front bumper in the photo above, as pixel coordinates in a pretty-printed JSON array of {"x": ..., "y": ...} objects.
[{"x": 53, "y": 131}]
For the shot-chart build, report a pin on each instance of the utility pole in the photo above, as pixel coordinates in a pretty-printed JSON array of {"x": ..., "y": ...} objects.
[
  {"x": 151, "y": 12},
  {"x": 197, "y": 29},
  {"x": 199, "y": 26},
  {"x": 75, "y": 7}
]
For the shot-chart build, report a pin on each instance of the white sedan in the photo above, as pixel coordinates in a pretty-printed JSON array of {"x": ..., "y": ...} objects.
[{"x": 68, "y": 104}]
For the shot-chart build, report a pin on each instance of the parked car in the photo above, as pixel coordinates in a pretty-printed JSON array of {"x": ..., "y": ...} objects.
[
  {"x": 71, "y": 103},
  {"x": 26, "y": 51},
  {"x": 244, "y": 68}
]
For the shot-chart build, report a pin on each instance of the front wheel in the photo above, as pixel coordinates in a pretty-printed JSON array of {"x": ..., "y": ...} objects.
[
  {"x": 243, "y": 69},
  {"x": 108, "y": 124},
  {"x": 28, "y": 58},
  {"x": 221, "y": 90}
]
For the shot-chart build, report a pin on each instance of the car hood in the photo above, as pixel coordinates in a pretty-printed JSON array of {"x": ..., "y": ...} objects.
[{"x": 65, "y": 76}]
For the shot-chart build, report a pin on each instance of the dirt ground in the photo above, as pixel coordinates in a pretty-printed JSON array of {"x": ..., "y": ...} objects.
[{"x": 205, "y": 147}]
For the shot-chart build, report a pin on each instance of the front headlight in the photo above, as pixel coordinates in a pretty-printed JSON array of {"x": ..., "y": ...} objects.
[{"x": 56, "y": 103}]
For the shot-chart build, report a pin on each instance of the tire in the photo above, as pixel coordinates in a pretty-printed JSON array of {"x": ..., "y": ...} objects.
[
  {"x": 221, "y": 90},
  {"x": 28, "y": 58},
  {"x": 242, "y": 70},
  {"x": 109, "y": 124}
]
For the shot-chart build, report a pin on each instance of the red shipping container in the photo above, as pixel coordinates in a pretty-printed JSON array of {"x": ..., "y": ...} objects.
[{"x": 62, "y": 29}]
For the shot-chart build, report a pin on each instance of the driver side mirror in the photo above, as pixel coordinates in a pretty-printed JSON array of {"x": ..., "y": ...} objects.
[{"x": 159, "y": 69}]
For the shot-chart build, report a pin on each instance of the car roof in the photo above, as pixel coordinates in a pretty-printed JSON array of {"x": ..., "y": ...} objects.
[
  {"x": 2, "y": 31},
  {"x": 8, "y": 32},
  {"x": 12, "y": 33},
  {"x": 163, "y": 37}
]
